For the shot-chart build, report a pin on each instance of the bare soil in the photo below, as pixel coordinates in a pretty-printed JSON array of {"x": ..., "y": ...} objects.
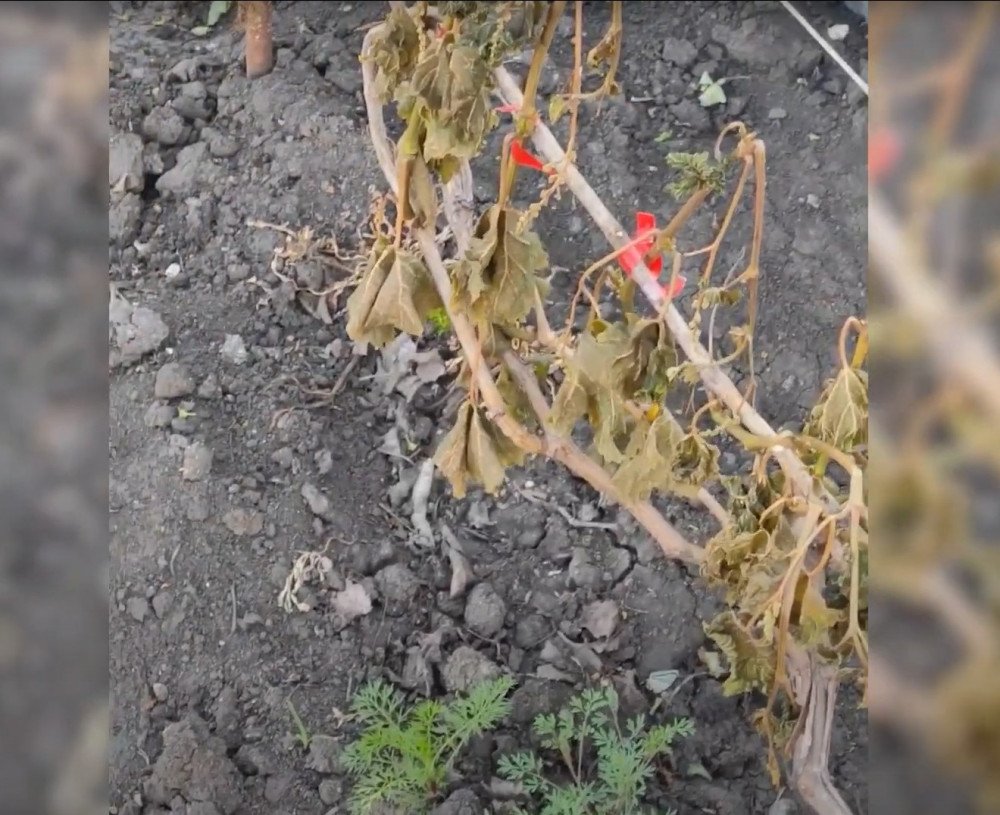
[{"x": 224, "y": 467}]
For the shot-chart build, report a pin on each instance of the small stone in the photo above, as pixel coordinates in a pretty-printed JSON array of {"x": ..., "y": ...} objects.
[
  {"x": 777, "y": 113},
  {"x": 125, "y": 168},
  {"x": 582, "y": 572},
  {"x": 398, "y": 586},
  {"x": 197, "y": 462},
  {"x": 318, "y": 503},
  {"x": 813, "y": 200},
  {"x": 283, "y": 457},
  {"x": 679, "y": 52},
  {"x": 158, "y": 414},
  {"x": 244, "y": 522},
  {"x": 164, "y": 125},
  {"x": 485, "y": 611},
  {"x": 173, "y": 381},
  {"x": 330, "y": 791},
  {"x": 531, "y": 631},
  {"x": 325, "y": 755},
  {"x": 209, "y": 389},
  {"x": 234, "y": 350},
  {"x": 160, "y": 692},
  {"x": 466, "y": 668},
  {"x": 460, "y": 802},
  {"x": 276, "y": 786},
  {"x": 161, "y": 603},
  {"x": 137, "y": 608}
]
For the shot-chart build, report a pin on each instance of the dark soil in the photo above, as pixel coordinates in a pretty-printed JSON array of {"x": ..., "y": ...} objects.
[{"x": 217, "y": 487}]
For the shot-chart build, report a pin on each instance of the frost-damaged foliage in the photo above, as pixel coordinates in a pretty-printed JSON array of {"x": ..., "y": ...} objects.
[
  {"x": 402, "y": 757},
  {"x": 790, "y": 553},
  {"x": 625, "y": 756}
]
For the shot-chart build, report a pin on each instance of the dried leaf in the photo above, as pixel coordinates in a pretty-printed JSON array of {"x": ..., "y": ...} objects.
[
  {"x": 695, "y": 463},
  {"x": 648, "y": 459},
  {"x": 395, "y": 294},
  {"x": 496, "y": 281},
  {"x": 751, "y": 661},
  {"x": 557, "y": 107},
  {"x": 570, "y": 403},
  {"x": 451, "y": 86},
  {"x": 475, "y": 452},
  {"x": 840, "y": 417},
  {"x": 394, "y": 51}
]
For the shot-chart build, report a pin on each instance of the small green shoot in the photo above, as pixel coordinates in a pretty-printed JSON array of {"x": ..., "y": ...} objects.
[
  {"x": 403, "y": 756},
  {"x": 302, "y": 735},
  {"x": 616, "y": 782},
  {"x": 440, "y": 321},
  {"x": 697, "y": 171}
]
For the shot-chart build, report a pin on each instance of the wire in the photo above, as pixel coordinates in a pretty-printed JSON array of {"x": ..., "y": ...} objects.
[{"x": 826, "y": 46}]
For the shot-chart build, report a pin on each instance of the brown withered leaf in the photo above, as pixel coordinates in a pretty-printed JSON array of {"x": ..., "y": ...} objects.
[
  {"x": 695, "y": 463},
  {"x": 516, "y": 400},
  {"x": 449, "y": 98},
  {"x": 840, "y": 417},
  {"x": 394, "y": 50},
  {"x": 570, "y": 403},
  {"x": 648, "y": 458},
  {"x": 816, "y": 620},
  {"x": 475, "y": 452},
  {"x": 610, "y": 421},
  {"x": 497, "y": 280},
  {"x": 750, "y": 659},
  {"x": 395, "y": 294}
]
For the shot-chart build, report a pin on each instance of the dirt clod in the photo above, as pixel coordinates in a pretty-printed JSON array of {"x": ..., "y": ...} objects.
[
  {"x": 173, "y": 381},
  {"x": 197, "y": 462},
  {"x": 485, "y": 610},
  {"x": 465, "y": 668}
]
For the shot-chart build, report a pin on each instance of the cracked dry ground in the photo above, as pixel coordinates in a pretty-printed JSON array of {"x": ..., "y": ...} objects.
[{"x": 216, "y": 488}]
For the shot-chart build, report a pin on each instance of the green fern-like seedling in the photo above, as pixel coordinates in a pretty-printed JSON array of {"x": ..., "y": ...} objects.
[
  {"x": 609, "y": 765},
  {"x": 697, "y": 171},
  {"x": 403, "y": 756}
]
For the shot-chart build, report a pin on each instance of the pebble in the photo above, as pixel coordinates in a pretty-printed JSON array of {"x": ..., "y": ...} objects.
[
  {"x": 485, "y": 611},
  {"x": 318, "y": 503},
  {"x": 160, "y": 692},
  {"x": 209, "y": 389},
  {"x": 777, "y": 113},
  {"x": 158, "y": 414},
  {"x": 173, "y": 381},
  {"x": 244, "y": 522},
  {"x": 330, "y": 791},
  {"x": 465, "y": 668},
  {"x": 234, "y": 350},
  {"x": 582, "y": 572},
  {"x": 197, "y": 462},
  {"x": 137, "y": 607}
]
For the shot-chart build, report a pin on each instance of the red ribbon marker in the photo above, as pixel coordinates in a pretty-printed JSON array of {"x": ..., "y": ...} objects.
[
  {"x": 645, "y": 224},
  {"x": 525, "y": 159}
]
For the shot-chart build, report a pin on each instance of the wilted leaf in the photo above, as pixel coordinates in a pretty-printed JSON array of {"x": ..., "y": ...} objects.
[
  {"x": 394, "y": 51},
  {"x": 461, "y": 571},
  {"x": 570, "y": 403},
  {"x": 496, "y": 281},
  {"x": 816, "y": 619},
  {"x": 450, "y": 86},
  {"x": 695, "y": 463},
  {"x": 840, "y": 417},
  {"x": 475, "y": 452},
  {"x": 557, "y": 107},
  {"x": 648, "y": 459},
  {"x": 395, "y": 294},
  {"x": 516, "y": 400},
  {"x": 751, "y": 661},
  {"x": 719, "y": 296}
]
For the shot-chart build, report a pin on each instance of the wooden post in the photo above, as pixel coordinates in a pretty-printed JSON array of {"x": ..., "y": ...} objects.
[{"x": 259, "y": 53}]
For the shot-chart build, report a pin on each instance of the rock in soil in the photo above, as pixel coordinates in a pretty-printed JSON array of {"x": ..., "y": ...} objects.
[
  {"x": 466, "y": 668},
  {"x": 193, "y": 764},
  {"x": 173, "y": 381},
  {"x": 244, "y": 521},
  {"x": 125, "y": 162},
  {"x": 197, "y": 462},
  {"x": 485, "y": 611},
  {"x": 460, "y": 802},
  {"x": 324, "y": 755},
  {"x": 397, "y": 586}
]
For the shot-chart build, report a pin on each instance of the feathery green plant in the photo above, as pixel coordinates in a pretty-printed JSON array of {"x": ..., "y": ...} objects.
[
  {"x": 615, "y": 783},
  {"x": 403, "y": 756}
]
